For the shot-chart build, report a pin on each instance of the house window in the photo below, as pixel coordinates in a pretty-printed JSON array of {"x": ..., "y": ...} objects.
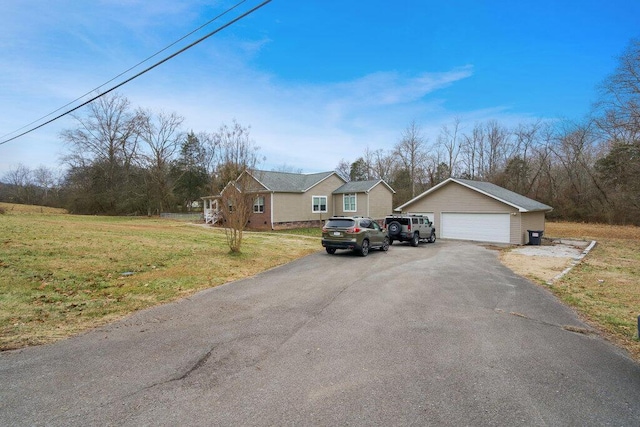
[
  {"x": 258, "y": 205},
  {"x": 319, "y": 204},
  {"x": 349, "y": 201}
]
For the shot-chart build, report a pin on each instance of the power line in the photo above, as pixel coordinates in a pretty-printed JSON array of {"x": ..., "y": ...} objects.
[
  {"x": 217, "y": 30},
  {"x": 129, "y": 69}
]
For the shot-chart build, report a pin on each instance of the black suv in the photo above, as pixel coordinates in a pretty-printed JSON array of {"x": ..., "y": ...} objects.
[
  {"x": 410, "y": 228},
  {"x": 352, "y": 232}
]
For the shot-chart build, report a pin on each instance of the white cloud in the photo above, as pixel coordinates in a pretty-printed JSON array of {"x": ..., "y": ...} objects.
[
  {"x": 307, "y": 126},
  {"x": 391, "y": 88}
]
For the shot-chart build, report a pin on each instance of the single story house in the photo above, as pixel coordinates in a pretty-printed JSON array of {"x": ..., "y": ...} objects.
[
  {"x": 287, "y": 200},
  {"x": 465, "y": 209}
]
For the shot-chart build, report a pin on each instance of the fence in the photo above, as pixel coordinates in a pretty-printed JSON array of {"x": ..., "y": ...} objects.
[{"x": 196, "y": 216}]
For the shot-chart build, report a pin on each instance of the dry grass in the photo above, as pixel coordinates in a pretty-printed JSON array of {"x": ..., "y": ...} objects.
[
  {"x": 592, "y": 231},
  {"x": 63, "y": 274},
  {"x": 605, "y": 287},
  {"x": 29, "y": 209},
  {"x": 540, "y": 269}
]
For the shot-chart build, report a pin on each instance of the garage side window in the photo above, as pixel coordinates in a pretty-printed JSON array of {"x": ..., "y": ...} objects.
[
  {"x": 349, "y": 202},
  {"x": 319, "y": 204}
]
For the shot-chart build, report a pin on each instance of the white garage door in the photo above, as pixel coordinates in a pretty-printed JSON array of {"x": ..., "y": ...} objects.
[{"x": 476, "y": 226}]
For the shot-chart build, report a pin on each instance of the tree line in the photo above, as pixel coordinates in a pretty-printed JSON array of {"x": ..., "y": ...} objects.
[{"x": 123, "y": 160}]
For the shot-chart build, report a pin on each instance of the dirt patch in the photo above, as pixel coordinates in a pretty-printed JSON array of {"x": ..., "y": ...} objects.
[
  {"x": 535, "y": 267},
  {"x": 545, "y": 262}
]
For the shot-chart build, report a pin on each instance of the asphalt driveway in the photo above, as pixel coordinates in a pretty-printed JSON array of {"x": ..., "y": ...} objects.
[{"x": 441, "y": 334}]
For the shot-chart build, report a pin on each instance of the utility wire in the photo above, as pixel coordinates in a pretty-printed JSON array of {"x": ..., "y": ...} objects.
[
  {"x": 129, "y": 69},
  {"x": 217, "y": 30}
]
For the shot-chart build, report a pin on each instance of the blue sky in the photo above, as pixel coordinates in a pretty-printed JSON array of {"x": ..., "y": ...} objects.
[{"x": 317, "y": 81}]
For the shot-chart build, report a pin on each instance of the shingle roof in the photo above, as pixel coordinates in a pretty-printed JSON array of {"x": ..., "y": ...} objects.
[
  {"x": 507, "y": 196},
  {"x": 518, "y": 201},
  {"x": 285, "y": 182},
  {"x": 360, "y": 186}
]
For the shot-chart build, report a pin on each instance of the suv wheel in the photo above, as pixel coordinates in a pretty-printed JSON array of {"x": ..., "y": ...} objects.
[
  {"x": 385, "y": 244},
  {"x": 364, "y": 250},
  {"x": 432, "y": 238},
  {"x": 394, "y": 227},
  {"x": 415, "y": 239},
  {"x": 331, "y": 251}
]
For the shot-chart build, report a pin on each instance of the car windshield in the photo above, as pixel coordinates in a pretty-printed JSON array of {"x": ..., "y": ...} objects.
[{"x": 340, "y": 223}]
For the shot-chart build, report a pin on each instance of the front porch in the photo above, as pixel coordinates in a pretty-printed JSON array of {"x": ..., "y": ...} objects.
[{"x": 211, "y": 212}]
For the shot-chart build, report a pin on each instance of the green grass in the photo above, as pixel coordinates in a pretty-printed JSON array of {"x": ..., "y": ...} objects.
[
  {"x": 63, "y": 274},
  {"x": 308, "y": 232}
]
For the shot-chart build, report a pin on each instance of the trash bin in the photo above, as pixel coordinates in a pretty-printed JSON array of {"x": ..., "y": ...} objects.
[{"x": 535, "y": 237}]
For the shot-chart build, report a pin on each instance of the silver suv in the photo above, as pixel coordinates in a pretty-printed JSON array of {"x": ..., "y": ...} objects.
[{"x": 411, "y": 228}]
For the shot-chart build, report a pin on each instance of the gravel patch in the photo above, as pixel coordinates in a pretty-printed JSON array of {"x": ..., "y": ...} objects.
[
  {"x": 549, "y": 261},
  {"x": 556, "y": 250}
]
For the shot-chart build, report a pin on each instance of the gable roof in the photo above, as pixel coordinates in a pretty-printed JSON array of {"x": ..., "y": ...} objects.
[
  {"x": 518, "y": 201},
  {"x": 361, "y": 186},
  {"x": 286, "y": 182}
]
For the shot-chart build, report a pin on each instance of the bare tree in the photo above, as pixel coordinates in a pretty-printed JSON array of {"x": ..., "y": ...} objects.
[
  {"x": 162, "y": 136},
  {"x": 108, "y": 134},
  {"x": 618, "y": 109},
  {"x": 46, "y": 181},
  {"x": 103, "y": 149},
  {"x": 575, "y": 150},
  {"x": 471, "y": 151},
  {"x": 411, "y": 152},
  {"x": 211, "y": 151},
  {"x": 22, "y": 185},
  {"x": 516, "y": 174},
  {"x": 287, "y": 169},
  {"x": 383, "y": 165},
  {"x": 238, "y": 155},
  {"x": 369, "y": 158},
  {"x": 495, "y": 151},
  {"x": 344, "y": 169},
  {"x": 449, "y": 140},
  {"x": 618, "y": 117},
  {"x": 236, "y": 152}
]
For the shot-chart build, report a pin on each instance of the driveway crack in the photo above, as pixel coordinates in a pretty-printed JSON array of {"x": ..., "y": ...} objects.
[
  {"x": 568, "y": 328},
  {"x": 198, "y": 364}
]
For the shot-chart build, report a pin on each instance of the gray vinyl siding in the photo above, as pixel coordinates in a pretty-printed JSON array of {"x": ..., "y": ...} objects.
[
  {"x": 291, "y": 207},
  {"x": 531, "y": 221},
  {"x": 456, "y": 198},
  {"x": 515, "y": 230},
  {"x": 377, "y": 203},
  {"x": 380, "y": 202},
  {"x": 361, "y": 205}
]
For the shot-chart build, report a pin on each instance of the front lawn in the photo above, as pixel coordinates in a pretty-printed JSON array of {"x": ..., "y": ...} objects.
[{"x": 63, "y": 274}]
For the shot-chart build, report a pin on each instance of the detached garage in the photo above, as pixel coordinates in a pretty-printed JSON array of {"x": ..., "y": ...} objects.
[{"x": 463, "y": 209}]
